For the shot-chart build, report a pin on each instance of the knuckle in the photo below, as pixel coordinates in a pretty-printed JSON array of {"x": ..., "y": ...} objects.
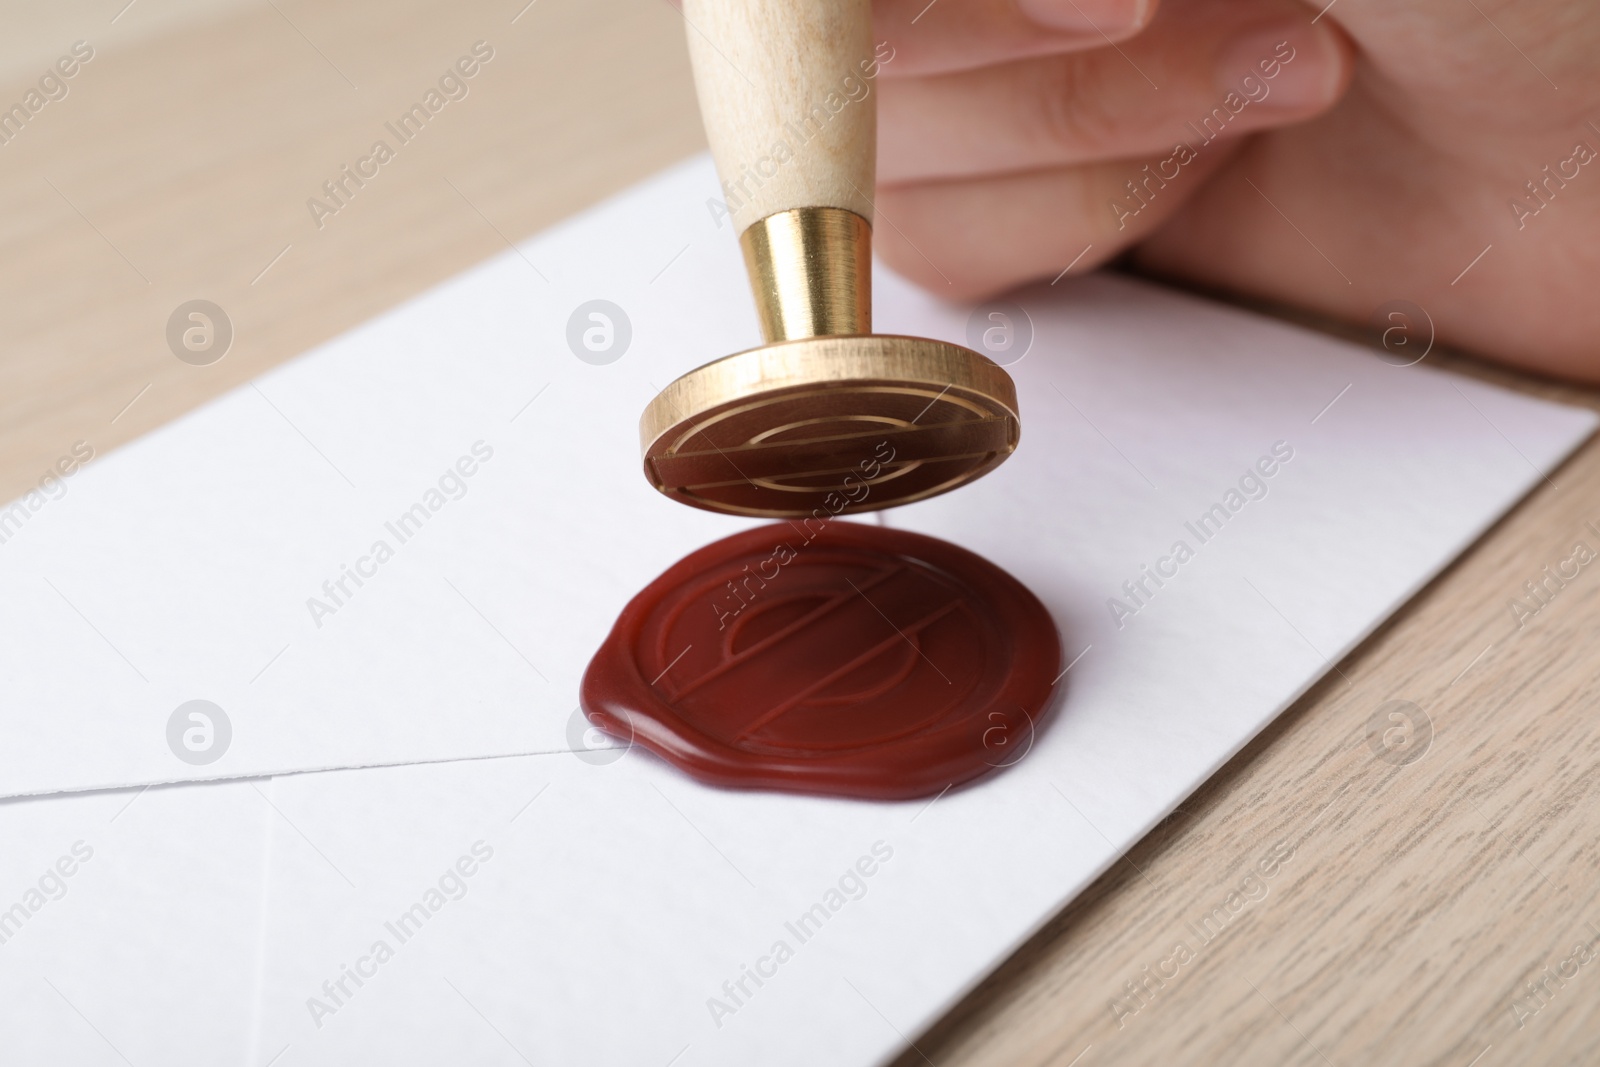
[{"x": 1074, "y": 117}]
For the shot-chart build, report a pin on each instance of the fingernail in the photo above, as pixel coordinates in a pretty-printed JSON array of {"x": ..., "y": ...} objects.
[
  {"x": 1110, "y": 17},
  {"x": 1292, "y": 67}
]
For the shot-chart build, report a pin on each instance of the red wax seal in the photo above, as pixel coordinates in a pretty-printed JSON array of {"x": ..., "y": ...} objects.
[{"x": 829, "y": 658}]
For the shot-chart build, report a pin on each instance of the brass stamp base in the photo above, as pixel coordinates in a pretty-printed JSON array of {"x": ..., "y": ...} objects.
[{"x": 824, "y": 426}]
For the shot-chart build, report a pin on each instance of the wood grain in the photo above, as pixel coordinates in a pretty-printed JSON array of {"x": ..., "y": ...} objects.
[
  {"x": 180, "y": 168},
  {"x": 777, "y": 83},
  {"x": 1416, "y": 902}
]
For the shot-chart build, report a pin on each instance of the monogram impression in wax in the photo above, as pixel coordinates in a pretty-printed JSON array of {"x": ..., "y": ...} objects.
[{"x": 846, "y": 659}]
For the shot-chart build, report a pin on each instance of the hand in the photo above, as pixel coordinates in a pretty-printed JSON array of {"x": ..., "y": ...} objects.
[{"x": 1367, "y": 155}]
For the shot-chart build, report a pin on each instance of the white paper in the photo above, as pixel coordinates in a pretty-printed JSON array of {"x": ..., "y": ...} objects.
[
  {"x": 180, "y": 568},
  {"x": 197, "y": 564},
  {"x": 621, "y": 896},
  {"x": 130, "y": 924}
]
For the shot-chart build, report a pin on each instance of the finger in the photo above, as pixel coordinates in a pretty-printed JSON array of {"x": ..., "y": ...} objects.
[
  {"x": 969, "y": 238},
  {"x": 1199, "y": 72},
  {"x": 932, "y": 36}
]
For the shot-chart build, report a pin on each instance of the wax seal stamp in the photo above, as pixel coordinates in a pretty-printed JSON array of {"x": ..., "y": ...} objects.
[
  {"x": 769, "y": 431},
  {"x": 833, "y": 658}
]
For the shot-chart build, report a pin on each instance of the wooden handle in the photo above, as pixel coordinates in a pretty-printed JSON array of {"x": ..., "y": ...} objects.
[{"x": 786, "y": 90}]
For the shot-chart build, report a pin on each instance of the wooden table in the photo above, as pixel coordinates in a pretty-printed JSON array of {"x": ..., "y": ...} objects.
[{"x": 1421, "y": 913}]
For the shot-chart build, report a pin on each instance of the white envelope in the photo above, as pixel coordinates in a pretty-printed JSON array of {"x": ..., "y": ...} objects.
[
  {"x": 601, "y": 907},
  {"x": 404, "y": 545},
  {"x": 460, "y": 431},
  {"x": 130, "y": 924}
]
